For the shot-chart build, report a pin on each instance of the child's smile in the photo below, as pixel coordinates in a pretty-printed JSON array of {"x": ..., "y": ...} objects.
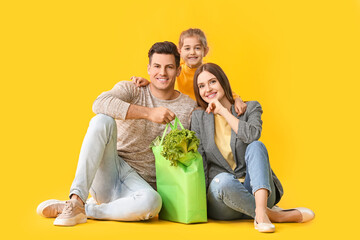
[{"x": 192, "y": 52}]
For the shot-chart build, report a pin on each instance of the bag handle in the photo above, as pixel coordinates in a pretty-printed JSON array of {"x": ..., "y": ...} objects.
[
  {"x": 173, "y": 127},
  {"x": 176, "y": 123}
]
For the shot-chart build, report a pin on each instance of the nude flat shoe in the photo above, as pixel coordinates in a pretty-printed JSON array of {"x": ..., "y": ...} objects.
[
  {"x": 264, "y": 227},
  {"x": 307, "y": 214}
]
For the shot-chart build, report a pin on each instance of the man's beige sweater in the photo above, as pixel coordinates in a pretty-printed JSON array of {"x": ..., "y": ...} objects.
[{"x": 135, "y": 135}]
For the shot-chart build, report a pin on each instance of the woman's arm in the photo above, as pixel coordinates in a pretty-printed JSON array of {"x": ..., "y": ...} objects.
[
  {"x": 248, "y": 130},
  {"x": 217, "y": 108}
]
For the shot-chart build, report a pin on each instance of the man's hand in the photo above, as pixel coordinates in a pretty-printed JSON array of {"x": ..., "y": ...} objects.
[
  {"x": 157, "y": 115},
  {"x": 161, "y": 115},
  {"x": 139, "y": 81}
]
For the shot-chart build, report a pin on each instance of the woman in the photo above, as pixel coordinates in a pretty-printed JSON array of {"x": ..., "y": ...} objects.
[{"x": 240, "y": 181}]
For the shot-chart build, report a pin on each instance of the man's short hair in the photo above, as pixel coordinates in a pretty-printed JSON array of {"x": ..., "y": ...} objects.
[{"x": 165, "y": 48}]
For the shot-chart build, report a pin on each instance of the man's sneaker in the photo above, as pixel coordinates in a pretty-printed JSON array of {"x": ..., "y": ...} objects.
[
  {"x": 91, "y": 201},
  {"x": 50, "y": 208},
  {"x": 73, "y": 213}
]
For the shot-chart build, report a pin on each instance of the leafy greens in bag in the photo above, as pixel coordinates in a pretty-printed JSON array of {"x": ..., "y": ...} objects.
[{"x": 177, "y": 144}]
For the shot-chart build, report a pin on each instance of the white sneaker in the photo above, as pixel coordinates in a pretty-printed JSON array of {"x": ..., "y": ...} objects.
[
  {"x": 50, "y": 208},
  {"x": 72, "y": 214}
]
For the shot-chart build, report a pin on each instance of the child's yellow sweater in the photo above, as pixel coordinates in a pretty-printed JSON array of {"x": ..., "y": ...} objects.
[{"x": 185, "y": 81}]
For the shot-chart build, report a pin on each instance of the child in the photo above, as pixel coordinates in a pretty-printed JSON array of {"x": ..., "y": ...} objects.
[{"x": 192, "y": 48}]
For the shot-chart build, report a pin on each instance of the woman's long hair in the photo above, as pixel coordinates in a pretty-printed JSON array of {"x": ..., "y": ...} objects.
[{"x": 220, "y": 76}]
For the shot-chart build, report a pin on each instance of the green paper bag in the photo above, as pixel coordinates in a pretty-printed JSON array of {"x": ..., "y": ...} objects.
[{"x": 182, "y": 187}]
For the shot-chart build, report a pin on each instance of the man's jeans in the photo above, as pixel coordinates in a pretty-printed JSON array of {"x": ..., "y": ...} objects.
[
  {"x": 120, "y": 192},
  {"x": 229, "y": 199}
]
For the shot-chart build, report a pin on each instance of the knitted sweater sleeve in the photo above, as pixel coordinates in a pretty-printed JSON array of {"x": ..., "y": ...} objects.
[{"x": 116, "y": 102}]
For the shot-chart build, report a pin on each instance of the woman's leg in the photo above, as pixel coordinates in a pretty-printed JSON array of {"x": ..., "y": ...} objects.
[
  {"x": 258, "y": 179},
  {"x": 228, "y": 199}
]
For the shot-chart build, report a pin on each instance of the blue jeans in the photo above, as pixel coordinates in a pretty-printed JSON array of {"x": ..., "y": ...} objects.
[
  {"x": 230, "y": 199},
  {"x": 120, "y": 192}
]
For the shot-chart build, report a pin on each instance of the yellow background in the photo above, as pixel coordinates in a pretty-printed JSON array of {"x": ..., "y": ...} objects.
[{"x": 299, "y": 59}]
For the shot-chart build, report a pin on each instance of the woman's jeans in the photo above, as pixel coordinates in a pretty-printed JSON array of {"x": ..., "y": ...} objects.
[
  {"x": 120, "y": 192},
  {"x": 229, "y": 199}
]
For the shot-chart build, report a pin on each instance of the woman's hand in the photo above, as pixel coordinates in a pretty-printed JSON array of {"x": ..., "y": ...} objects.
[
  {"x": 139, "y": 81},
  {"x": 215, "y": 107},
  {"x": 240, "y": 106}
]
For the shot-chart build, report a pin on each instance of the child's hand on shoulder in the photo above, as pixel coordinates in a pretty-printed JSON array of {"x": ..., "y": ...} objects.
[
  {"x": 139, "y": 81},
  {"x": 240, "y": 106}
]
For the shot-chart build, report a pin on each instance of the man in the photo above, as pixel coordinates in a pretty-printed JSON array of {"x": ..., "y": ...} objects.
[{"x": 116, "y": 164}]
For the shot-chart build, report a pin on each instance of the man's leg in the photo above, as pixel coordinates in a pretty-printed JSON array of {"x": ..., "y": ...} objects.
[
  {"x": 98, "y": 151},
  {"x": 133, "y": 199}
]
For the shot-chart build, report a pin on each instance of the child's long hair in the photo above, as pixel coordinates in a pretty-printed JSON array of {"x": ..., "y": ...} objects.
[
  {"x": 220, "y": 76},
  {"x": 191, "y": 32}
]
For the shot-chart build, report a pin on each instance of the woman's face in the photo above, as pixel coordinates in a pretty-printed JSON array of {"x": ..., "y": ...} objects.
[{"x": 210, "y": 87}]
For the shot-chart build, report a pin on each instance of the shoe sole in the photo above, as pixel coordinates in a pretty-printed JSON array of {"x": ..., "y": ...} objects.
[
  {"x": 306, "y": 214},
  {"x": 68, "y": 222},
  {"x": 42, "y": 206},
  {"x": 264, "y": 228},
  {"x": 269, "y": 230}
]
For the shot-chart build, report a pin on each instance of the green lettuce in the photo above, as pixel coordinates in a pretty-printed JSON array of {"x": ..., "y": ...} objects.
[
  {"x": 155, "y": 142},
  {"x": 177, "y": 144}
]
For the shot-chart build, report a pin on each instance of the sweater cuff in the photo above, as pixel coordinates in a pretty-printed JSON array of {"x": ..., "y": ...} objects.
[{"x": 123, "y": 109}]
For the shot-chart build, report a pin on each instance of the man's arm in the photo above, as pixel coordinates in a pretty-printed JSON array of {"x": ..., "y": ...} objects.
[
  {"x": 157, "y": 115},
  {"x": 116, "y": 103}
]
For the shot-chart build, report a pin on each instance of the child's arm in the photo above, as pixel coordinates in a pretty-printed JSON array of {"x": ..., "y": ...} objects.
[
  {"x": 139, "y": 81},
  {"x": 240, "y": 106}
]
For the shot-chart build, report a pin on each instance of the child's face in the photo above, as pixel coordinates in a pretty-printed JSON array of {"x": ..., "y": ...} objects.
[{"x": 193, "y": 52}]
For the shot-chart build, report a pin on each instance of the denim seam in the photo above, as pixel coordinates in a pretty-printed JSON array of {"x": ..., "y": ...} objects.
[
  {"x": 78, "y": 192},
  {"x": 267, "y": 187},
  {"x": 124, "y": 176},
  {"x": 239, "y": 209},
  {"x": 113, "y": 137}
]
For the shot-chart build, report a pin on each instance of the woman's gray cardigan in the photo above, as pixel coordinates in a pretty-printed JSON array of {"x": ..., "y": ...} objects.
[{"x": 249, "y": 130}]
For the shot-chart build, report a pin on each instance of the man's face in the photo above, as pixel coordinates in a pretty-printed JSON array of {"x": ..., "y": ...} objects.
[{"x": 163, "y": 72}]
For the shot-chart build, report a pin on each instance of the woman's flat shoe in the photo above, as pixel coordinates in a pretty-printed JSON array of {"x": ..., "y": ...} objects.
[
  {"x": 264, "y": 227},
  {"x": 276, "y": 208},
  {"x": 307, "y": 214}
]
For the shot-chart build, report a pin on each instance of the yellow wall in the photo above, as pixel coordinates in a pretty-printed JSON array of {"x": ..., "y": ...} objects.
[{"x": 299, "y": 59}]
